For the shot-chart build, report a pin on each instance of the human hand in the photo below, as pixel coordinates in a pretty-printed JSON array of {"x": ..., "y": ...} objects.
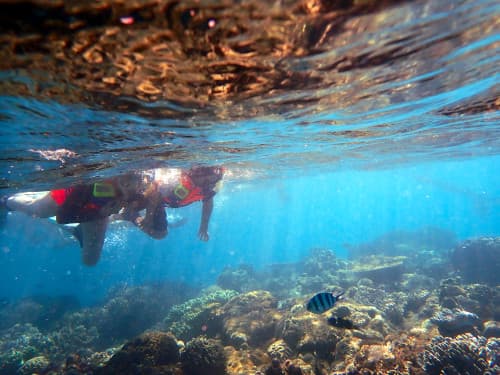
[
  {"x": 154, "y": 223},
  {"x": 115, "y": 217},
  {"x": 203, "y": 235}
]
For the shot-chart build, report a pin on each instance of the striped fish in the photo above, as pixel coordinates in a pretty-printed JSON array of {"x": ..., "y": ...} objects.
[{"x": 322, "y": 301}]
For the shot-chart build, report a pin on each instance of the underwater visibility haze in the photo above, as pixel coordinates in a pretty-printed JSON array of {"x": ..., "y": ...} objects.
[{"x": 356, "y": 228}]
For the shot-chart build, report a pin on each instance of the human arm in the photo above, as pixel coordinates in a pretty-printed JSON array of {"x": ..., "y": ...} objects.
[
  {"x": 154, "y": 223},
  {"x": 206, "y": 212}
]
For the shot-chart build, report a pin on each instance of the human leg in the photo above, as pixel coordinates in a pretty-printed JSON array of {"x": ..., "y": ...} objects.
[
  {"x": 93, "y": 233},
  {"x": 33, "y": 204}
]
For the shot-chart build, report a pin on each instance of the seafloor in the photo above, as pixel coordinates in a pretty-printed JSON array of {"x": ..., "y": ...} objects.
[{"x": 420, "y": 302}]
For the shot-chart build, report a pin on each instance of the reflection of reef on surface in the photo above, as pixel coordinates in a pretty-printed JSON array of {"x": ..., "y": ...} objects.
[
  {"x": 194, "y": 53},
  {"x": 203, "y": 55},
  {"x": 404, "y": 323}
]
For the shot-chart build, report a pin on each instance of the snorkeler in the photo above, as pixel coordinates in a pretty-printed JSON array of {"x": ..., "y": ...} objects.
[
  {"x": 175, "y": 188},
  {"x": 90, "y": 205},
  {"x": 124, "y": 198}
]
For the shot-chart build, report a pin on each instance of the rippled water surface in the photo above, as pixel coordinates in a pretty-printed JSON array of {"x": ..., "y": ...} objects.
[{"x": 92, "y": 89}]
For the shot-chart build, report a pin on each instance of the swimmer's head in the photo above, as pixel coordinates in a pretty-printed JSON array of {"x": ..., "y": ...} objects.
[{"x": 205, "y": 175}]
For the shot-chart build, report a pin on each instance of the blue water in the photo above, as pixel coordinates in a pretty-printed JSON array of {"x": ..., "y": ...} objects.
[
  {"x": 383, "y": 148},
  {"x": 261, "y": 222}
]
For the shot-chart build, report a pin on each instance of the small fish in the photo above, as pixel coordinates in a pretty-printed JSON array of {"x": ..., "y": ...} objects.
[
  {"x": 341, "y": 322},
  {"x": 323, "y": 301}
]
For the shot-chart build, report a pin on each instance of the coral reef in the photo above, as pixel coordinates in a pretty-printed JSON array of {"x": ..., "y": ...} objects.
[
  {"x": 424, "y": 249},
  {"x": 41, "y": 311},
  {"x": 465, "y": 354},
  {"x": 380, "y": 269},
  {"x": 491, "y": 329},
  {"x": 310, "y": 336},
  {"x": 478, "y": 260},
  {"x": 410, "y": 324},
  {"x": 35, "y": 365},
  {"x": 394, "y": 306},
  {"x": 375, "y": 356},
  {"x": 275, "y": 278},
  {"x": 147, "y": 353},
  {"x": 199, "y": 315},
  {"x": 250, "y": 319},
  {"x": 329, "y": 262},
  {"x": 292, "y": 369},
  {"x": 274, "y": 368},
  {"x": 240, "y": 361},
  {"x": 203, "y": 356},
  {"x": 404, "y": 243},
  {"x": 455, "y": 322},
  {"x": 479, "y": 299},
  {"x": 76, "y": 336},
  {"x": 320, "y": 270},
  {"x": 241, "y": 279},
  {"x": 318, "y": 339},
  {"x": 277, "y": 368},
  {"x": 21, "y": 343},
  {"x": 130, "y": 311},
  {"x": 317, "y": 271},
  {"x": 279, "y": 350}
]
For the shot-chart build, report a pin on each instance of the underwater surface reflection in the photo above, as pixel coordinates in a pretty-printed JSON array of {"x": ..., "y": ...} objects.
[{"x": 292, "y": 85}]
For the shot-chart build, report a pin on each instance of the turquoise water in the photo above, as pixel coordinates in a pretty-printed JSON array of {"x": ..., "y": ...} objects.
[
  {"x": 260, "y": 222},
  {"x": 400, "y": 144}
]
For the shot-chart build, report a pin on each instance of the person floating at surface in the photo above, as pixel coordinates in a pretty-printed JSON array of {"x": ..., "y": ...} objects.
[
  {"x": 90, "y": 205},
  {"x": 124, "y": 198},
  {"x": 175, "y": 188}
]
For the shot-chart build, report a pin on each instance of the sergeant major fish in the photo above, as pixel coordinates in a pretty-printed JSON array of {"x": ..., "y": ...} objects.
[{"x": 322, "y": 302}]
